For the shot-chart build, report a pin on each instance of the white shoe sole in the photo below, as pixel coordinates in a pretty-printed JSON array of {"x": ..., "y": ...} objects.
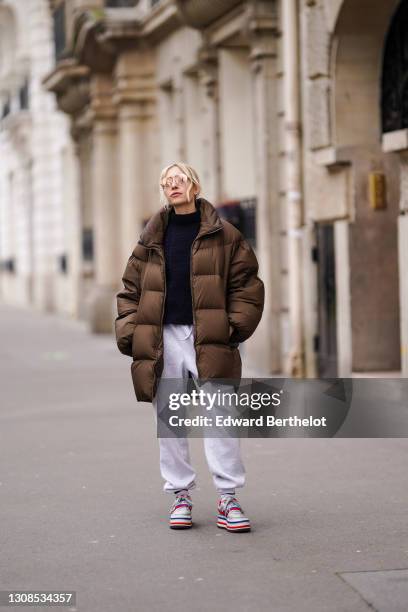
[{"x": 237, "y": 526}]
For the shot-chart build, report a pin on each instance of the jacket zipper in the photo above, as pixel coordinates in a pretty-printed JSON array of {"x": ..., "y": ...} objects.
[
  {"x": 165, "y": 291},
  {"x": 192, "y": 291}
]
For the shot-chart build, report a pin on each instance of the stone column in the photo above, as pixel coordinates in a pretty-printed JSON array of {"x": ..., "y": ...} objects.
[
  {"x": 267, "y": 352},
  {"x": 105, "y": 205},
  {"x": 81, "y": 132},
  {"x": 295, "y": 365},
  {"x": 72, "y": 205},
  {"x": 138, "y": 170},
  {"x": 208, "y": 78}
]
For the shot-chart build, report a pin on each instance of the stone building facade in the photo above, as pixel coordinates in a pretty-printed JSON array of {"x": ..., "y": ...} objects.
[
  {"x": 34, "y": 144},
  {"x": 296, "y": 106},
  {"x": 354, "y": 188}
]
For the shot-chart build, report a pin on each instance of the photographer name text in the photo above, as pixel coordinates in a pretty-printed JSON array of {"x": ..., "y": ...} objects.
[{"x": 260, "y": 421}]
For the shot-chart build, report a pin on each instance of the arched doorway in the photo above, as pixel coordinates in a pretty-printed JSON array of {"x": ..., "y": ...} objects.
[{"x": 372, "y": 249}]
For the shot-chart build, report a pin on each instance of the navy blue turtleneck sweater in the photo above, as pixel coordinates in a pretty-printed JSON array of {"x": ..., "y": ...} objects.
[{"x": 178, "y": 238}]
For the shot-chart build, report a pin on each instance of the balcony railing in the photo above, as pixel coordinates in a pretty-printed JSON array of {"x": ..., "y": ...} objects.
[{"x": 200, "y": 13}]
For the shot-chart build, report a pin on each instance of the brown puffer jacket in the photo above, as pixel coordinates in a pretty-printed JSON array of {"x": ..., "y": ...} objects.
[{"x": 227, "y": 295}]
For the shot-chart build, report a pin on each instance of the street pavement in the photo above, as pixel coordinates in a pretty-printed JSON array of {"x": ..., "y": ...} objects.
[{"x": 83, "y": 509}]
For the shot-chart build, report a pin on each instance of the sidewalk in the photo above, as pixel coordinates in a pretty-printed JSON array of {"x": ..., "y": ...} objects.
[{"x": 83, "y": 507}]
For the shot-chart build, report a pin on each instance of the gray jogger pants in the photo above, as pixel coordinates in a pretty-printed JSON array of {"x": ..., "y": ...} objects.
[{"x": 222, "y": 454}]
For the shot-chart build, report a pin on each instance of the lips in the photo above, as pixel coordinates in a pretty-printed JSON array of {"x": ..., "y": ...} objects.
[{"x": 175, "y": 194}]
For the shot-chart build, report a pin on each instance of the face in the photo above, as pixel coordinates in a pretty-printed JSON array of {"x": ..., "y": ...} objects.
[{"x": 176, "y": 190}]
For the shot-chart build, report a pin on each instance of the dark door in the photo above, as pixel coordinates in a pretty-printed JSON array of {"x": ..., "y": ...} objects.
[{"x": 327, "y": 336}]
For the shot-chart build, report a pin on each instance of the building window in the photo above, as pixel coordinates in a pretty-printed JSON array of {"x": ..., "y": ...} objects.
[
  {"x": 6, "y": 108},
  {"x": 248, "y": 207},
  {"x": 59, "y": 31},
  {"x": 23, "y": 96},
  {"x": 87, "y": 244},
  {"x": 9, "y": 265},
  {"x": 241, "y": 214},
  {"x": 394, "y": 88},
  {"x": 63, "y": 263}
]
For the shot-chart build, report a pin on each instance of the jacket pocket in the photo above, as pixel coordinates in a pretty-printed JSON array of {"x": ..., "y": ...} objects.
[
  {"x": 232, "y": 343},
  {"x": 133, "y": 338}
]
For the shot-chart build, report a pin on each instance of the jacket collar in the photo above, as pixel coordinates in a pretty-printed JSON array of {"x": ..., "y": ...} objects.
[{"x": 153, "y": 232}]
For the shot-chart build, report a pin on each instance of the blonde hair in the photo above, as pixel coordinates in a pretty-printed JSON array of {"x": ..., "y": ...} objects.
[{"x": 188, "y": 171}]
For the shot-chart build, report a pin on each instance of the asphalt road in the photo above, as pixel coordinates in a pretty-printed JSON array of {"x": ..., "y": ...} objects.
[{"x": 82, "y": 506}]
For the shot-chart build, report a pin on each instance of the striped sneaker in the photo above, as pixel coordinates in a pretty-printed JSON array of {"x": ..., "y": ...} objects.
[
  {"x": 180, "y": 512},
  {"x": 231, "y": 515}
]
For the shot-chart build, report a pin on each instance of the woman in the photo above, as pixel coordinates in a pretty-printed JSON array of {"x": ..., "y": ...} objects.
[{"x": 191, "y": 295}]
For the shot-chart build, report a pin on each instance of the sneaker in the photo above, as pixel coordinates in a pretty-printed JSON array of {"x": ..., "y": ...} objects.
[
  {"x": 231, "y": 515},
  {"x": 180, "y": 512}
]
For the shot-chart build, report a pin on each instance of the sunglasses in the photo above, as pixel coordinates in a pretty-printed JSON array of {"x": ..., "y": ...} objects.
[{"x": 177, "y": 180}]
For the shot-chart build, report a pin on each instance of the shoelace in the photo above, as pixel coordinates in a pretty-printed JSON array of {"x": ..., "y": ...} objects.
[
  {"x": 226, "y": 502},
  {"x": 179, "y": 500}
]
